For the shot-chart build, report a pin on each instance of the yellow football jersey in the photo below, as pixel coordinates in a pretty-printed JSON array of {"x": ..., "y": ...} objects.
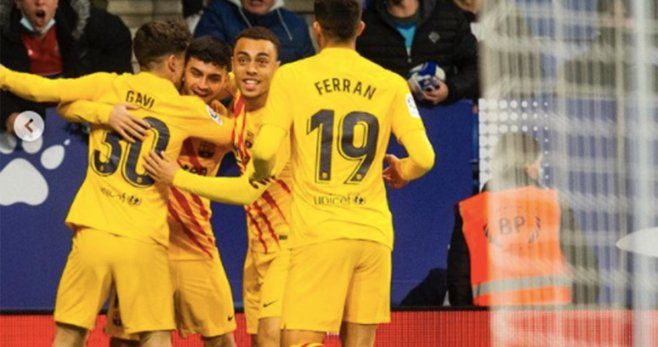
[
  {"x": 340, "y": 117},
  {"x": 269, "y": 215},
  {"x": 193, "y": 237},
  {"x": 117, "y": 196}
]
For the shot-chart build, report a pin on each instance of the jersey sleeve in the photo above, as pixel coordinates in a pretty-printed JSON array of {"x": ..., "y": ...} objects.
[
  {"x": 227, "y": 190},
  {"x": 40, "y": 89},
  {"x": 282, "y": 156},
  {"x": 211, "y": 126},
  {"x": 410, "y": 132},
  {"x": 421, "y": 155},
  {"x": 277, "y": 109},
  {"x": 85, "y": 111},
  {"x": 405, "y": 115}
]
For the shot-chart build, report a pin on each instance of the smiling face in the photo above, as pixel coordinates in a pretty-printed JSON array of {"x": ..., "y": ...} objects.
[
  {"x": 254, "y": 62},
  {"x": 258, "y": 7},
  {"x": 205, "y": 80},
  {"x": 38, "y": 12}
]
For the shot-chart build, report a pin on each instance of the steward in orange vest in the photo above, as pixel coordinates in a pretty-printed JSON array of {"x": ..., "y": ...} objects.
[{"x": 514, "y": 243}]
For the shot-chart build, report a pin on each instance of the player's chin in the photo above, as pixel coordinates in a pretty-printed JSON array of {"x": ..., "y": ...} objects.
[{"x": 251, "y": 92}]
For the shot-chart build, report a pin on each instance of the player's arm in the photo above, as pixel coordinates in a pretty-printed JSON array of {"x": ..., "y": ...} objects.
[
  {"x": 277, "y": 120},
  {"x": 228, "y": 190},
  {"x": 40, "y": 89},
  {"x": 419, "y": 162},
  {"x": 410, "y": 132},
  {"x": 210, "y": 125},
  {"x": 117, "y": 117},
  {"x": 264, "y": 151}
]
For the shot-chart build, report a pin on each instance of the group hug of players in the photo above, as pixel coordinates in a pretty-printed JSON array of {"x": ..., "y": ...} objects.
[{"x": 319, "y": 229}]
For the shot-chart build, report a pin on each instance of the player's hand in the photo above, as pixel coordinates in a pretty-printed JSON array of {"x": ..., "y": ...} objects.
[
  {"x": 160, "y": 167},
  {"x": 257, "y": 183},
  {"x": 436, "y": 96},
  {"x": 255, "y": 179},
  {"x": 392, "y": 173},
  {"x": 126, "y": 124}
]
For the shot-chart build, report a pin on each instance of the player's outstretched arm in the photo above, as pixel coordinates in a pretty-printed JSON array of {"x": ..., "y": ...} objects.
[
  {"x": 227, "y": 190},
  {"x": 40, "y": 89},
  {"x": 264, "y": 151},
  {"x": 117, "y": 117},
  {"x": 420, "y": 160}
]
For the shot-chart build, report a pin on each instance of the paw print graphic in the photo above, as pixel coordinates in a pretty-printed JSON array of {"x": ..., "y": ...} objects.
[{"x": 20, "y": 180}]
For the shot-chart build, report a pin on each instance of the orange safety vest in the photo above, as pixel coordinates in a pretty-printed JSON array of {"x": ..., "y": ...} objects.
[{"x": 513, "y": 238}]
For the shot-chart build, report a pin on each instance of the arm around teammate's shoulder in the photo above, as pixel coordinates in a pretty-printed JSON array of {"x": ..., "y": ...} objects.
[
  {"x": 41, "y": 89},
  {"x": 266, "y": 147},
  {"x": 207, "y": 124}
]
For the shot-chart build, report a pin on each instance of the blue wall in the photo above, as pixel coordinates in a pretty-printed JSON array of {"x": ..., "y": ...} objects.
[{"x": 34, "y": 242}]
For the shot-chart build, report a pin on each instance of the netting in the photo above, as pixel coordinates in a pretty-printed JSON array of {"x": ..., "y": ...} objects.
[{"x": 581, "y": 76}]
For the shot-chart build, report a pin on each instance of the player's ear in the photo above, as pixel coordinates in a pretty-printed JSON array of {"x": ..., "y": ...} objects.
[
  {"x": 317, "y": 30},
  {"x": 175, "y": 62},
  {"x": 360, "y": 27}
]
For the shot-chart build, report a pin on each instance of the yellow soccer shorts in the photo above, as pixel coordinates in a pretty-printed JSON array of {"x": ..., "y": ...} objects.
[
  {"x": 139, "y": 271},
  {"x": 334, "y": 281},
  {"x": 264, "y": 278},
  {"x": 203, "y": 303}
]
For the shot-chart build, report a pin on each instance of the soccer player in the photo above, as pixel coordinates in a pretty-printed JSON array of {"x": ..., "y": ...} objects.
[
  {"x": 338, "y": 110},
  {"x": 255, "y": 59},
  {"x": 119, "y": 214},
  {"x": 202, "y": 295}
]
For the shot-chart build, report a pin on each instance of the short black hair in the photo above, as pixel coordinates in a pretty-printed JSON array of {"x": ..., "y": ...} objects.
[
  {"x": 339, "y": 19},
  {"x": 209, "y": 50},
  {"x": 159, "y": 38},
  {"x": 259, "y": 33}
]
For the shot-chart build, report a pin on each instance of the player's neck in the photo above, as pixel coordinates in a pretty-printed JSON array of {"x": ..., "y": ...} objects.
[
  {"x": 256, "y": 103},
  {"x": 333, "y": 44},
  {"x": 159, "y": 71}
]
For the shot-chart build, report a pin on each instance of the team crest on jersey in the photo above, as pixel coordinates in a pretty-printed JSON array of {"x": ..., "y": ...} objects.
[
  {"x": 214, "y": 115},
  {"x": 411, "y": 105}
]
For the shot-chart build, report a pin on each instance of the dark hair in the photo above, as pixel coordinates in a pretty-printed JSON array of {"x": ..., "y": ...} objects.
[
  {"x": 209, "y": 50},
  {"x": 159, "y": 38},
  {"x": 338, "y": 18},
  {"x": 259, "y": 33}
]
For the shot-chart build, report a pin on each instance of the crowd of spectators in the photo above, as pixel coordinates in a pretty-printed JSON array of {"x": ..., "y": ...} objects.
[{"x": 57, "y": 38}]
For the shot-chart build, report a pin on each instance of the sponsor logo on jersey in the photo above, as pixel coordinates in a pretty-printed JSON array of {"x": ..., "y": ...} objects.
[
  {"x": 214, "y": 115},
  {"x": 411, "y": 106},
  {"x": 339, "y": 200},
  {"x": 131, "y": 200}
]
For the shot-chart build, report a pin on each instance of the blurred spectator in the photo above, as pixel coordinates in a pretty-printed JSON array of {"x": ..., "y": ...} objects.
[
  {"x": 402, "y": 34},
  {"x": 225, "y": 19},
  {"x": 58, "y": 38},
  {"x": 470, "y": 8},
  {"x": 102, "y": 4},
  {"x": 516, "y": 243},
  {"x": 192, "y": 10}
]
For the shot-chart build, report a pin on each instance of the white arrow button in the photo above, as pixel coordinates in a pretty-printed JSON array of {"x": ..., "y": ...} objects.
[{"x": 28, "y": 126}]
